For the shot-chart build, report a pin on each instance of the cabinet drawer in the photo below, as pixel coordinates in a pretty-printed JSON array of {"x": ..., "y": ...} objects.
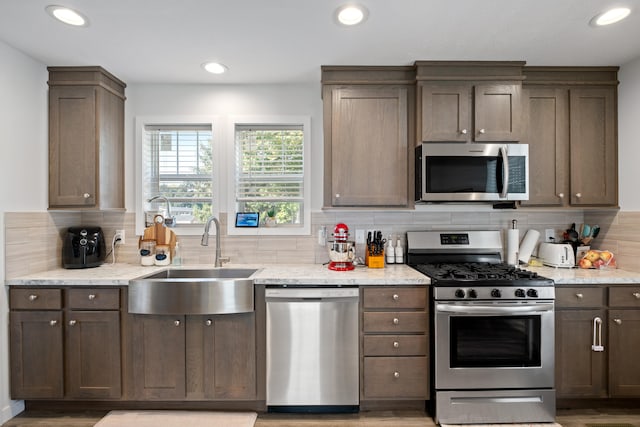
[
  {"x": 395, "y": 297},
  {"x": 395, "y": 377},
  {"x": 395, "y": 345},
  {"x": 579, "y": 297},
  {"x": 395, "y": 321},
  {"x": 35, "y": 299},
  {"x": 92, "y": 298},
  {"x": 624, "y": 296}
]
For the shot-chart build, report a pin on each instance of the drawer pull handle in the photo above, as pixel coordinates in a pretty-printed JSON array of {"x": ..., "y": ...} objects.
[
  {"x": 618, "y": 321},
  {"x": 396, "y": 297},
  {"x": 92, "y": 296},
  {"x": 72, "y": 323},
  {"x": 396, "y": 374},
  {"x": 579, "y": 296},
  {"x": 637, "y": 295},
  {"x": 396, "y": 320},
  {"x": 86, "y": 195},
  {"x": 396, "y": 344},
  {"x": 482, "y": 131},
  {"x": 464, "y": 131},
  {"x": 33, "y": 297},
  {"x": 176, "y": 322},
  {"x": 208, "y": 322},
  {"x": 53, "y": 322}
]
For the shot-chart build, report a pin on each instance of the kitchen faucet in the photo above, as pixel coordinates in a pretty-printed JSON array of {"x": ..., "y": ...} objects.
[
  {"x": 169, "y": 220},
  {"x": 205, "y": 240}
]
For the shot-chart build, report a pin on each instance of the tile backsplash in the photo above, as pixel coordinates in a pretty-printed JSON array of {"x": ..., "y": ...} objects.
[{"x": 33, "y": 240}]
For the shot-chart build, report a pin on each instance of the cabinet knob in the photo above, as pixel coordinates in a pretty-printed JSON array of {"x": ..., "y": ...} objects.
[
  {"x": 396, "y": 297},
  {"x": 337, "y": 195},
  {"x": 208, "y": 322},
  {"x": 72, "y": 323},
  {"x": 53, "y": 322},
  {"x": 578, "y": 195},
  {"x": 396, "y": 374},
  {"x": 92, "y": 297},
  {"x": 561, "y": 195},
  {"x": 176, "y": 322},
  {"x": 396, "y": 344},
  {"x": 86, "y": 195},
  {"x": 579, "y": 296},
  {"x": 396, "y": 320},
  {"x": 637, "y": 295},
  {"x": 482, "y": 131},
  {"x": 464, "y": 131},
  {"x": 618, "y": 321},
  {"x": 33, "y": 297}
]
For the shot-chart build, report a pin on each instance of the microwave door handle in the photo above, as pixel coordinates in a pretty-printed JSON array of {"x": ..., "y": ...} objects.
[{"x": 505, "y": 172}]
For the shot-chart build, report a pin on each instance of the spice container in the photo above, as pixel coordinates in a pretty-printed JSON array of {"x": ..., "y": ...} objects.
[
  {"x": 163, "y": 255},
  {"x": 147, "y": 252}
]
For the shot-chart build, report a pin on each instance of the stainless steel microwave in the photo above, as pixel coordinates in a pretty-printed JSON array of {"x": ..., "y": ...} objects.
[{"x": 453, "y": 172}]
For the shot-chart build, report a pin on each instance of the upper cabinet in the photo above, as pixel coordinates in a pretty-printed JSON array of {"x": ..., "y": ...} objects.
[
  {"x": 368, "y": 117},
  {"x": 86, "y": 139},
  {"x": 572, "y": 135},
  {"x": 461, "y": 101}
]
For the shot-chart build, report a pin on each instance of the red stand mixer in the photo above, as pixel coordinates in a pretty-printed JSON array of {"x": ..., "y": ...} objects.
[{"x": 342, "y": 252}]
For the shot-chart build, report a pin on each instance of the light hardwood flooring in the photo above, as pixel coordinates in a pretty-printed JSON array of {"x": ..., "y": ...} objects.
[{"x": 567, "y": 418}]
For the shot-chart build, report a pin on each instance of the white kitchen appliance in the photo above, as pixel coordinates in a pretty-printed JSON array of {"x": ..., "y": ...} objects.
[{"x": 557, "y": 255}]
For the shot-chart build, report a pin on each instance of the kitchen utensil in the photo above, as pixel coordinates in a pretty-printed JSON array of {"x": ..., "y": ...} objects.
[
  {"x": 595, "y": 231},
  {"x": 572, "y": 234},
  {"x": 586, "y": 231}
]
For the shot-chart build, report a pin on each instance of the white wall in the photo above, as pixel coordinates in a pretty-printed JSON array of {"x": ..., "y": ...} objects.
[
  {"x": 628, "y": 139},
  {"x": 211, "y": 100},
  {"x": 23, "y": 169}
]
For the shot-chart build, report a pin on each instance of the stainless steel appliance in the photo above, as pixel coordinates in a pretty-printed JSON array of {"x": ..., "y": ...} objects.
[
  {"x": 83, "y": 247},
  {"x": 312, "y": 348},
  {"x": 493, "y": 330},
  {"x": 450, "y": 172}
]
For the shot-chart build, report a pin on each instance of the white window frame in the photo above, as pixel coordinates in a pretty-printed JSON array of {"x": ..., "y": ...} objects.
[
  {"x": 217, "y": 127},
  {"x": 305, "y": 122}
]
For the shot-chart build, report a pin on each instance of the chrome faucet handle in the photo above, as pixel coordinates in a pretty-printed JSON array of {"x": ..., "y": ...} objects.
[{"x": 224, "y": 259}]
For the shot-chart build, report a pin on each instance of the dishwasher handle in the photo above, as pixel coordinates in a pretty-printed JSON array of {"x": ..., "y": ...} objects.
[{"x": 311, "y": 294}]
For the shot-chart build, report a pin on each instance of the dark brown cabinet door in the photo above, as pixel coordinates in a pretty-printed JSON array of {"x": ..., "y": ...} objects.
[
  {"x": 593, "y": 147},
  {"x": 158, "y": 356},
  {"x": 36, "y": 349},
  {"x": 230, "y": 357},
  {"x": 93, "y": 354},
  {"x": 446, "y": 112},
  {"x": 366, "y": 149},
  {"x": 580, "y": 371},
  {"x": 72, "y": 146},
  {"x": 624, "y": 342},
  {"x": 497, "y": 112}
]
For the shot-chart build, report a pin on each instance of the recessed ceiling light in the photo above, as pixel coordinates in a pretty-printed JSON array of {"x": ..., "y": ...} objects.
[
  {"x": 215, "y": 67},
  {"x": 351, "y": 14},
  {"x": 611, "y": 16},
  {"x": 68, "y": 16}
]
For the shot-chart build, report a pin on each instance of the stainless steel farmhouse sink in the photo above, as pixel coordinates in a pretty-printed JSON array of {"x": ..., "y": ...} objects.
[{"x": 193, "y": 291}]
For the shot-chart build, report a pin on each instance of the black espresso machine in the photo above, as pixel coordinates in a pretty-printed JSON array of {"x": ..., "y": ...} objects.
[{"x": 83, "y": 247}]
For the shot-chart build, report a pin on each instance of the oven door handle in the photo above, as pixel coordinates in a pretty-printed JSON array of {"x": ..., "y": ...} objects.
[{"x": 501, "y": 309}]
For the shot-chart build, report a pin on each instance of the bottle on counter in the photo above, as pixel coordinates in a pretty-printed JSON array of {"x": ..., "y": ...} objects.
[
  {"x": 177, "y": 255},
  {"x": 399, "y": 251},
  {"x": 390, "y": 251}
]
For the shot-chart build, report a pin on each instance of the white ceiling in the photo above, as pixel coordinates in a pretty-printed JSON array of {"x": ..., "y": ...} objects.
[{"x": 283, "y": 41}]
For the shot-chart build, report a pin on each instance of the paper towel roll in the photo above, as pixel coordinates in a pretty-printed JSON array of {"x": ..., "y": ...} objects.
[
  {"x": 513, "y": 244},
  {"x": 527, "y": 245}
]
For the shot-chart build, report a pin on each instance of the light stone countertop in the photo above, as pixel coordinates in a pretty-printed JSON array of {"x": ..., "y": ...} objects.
[
  {"x": 305, "y": 274},
  {"x": 277, "y": 274}
]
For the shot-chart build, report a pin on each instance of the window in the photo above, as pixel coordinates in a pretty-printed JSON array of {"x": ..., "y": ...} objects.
[
  {"x": 178, "y": 165},
  {"x": 271, "y": 174}
]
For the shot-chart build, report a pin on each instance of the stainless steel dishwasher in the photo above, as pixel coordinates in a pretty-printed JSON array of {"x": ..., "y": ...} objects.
[{"x": 312, "y": 349}]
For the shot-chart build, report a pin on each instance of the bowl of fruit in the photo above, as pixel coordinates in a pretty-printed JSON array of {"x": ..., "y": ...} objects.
[{"x": 597, "y": 259}]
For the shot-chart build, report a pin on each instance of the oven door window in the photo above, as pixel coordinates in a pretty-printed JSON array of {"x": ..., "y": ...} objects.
[{"x": 495, "y": 341}]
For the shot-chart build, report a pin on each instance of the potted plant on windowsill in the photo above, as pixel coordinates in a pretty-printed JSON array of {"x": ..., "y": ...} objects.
[{"x": 270, "y": 220}]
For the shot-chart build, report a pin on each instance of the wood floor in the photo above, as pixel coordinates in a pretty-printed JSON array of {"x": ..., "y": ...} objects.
[{"x": 567, "y": 418}]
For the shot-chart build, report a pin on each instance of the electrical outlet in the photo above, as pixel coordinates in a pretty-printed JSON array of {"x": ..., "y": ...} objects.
[
  {"x": 549, "y": 235},
  {"x": 359, "y": 236},
  {"x": 322, "y": 235},
  {"x": 120, "y": 234}
]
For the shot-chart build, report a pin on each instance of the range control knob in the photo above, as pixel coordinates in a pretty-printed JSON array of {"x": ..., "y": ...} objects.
[
  {"x": 532, "y": 293},
  {"x": 473, "y": 293},
  {"x": 460, "y": 293},
  {"x": 495, "y": 293},
  {"x": 520, "y": 293}
]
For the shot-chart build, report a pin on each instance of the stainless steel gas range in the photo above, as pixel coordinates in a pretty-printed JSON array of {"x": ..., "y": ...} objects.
[{"x": 492, "y": 329}]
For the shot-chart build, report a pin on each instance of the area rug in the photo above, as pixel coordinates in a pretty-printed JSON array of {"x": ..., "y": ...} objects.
[{"x": 177, "y": 419}]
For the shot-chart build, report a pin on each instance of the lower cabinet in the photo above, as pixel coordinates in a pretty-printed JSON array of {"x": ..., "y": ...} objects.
[
  {"x": 65, "y": 343},
  {"x": 597, "y": 341},
  {"x": 194, "y": 357},
  {"x": 394, "y": 344}
]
